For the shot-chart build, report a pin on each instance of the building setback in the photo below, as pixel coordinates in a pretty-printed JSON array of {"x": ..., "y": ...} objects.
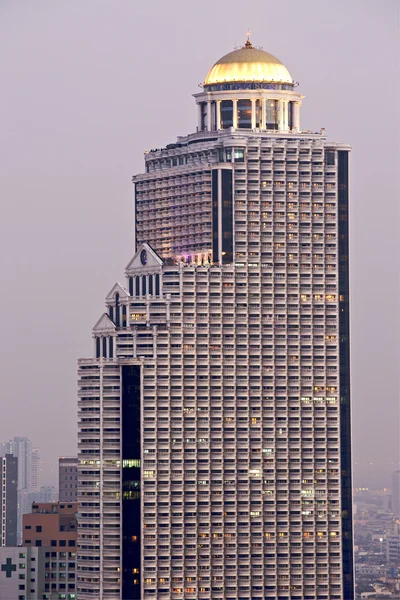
[
  {"x": 8, "y": 500},
  {"x": 52, "y": 527},
  {"x": 214, "y": 416}
]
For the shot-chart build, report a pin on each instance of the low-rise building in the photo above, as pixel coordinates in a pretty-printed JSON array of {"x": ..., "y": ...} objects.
[
  {"x": 52, "y": 527},
  {"x": 21, "y": 573}
]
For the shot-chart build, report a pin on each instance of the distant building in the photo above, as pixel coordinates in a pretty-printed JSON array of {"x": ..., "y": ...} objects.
[
  {"x": 21, "y": 573},
  {"x": 68, "y": 479},
  {"x": 8, "y": 500},
  {"x": 35, "y": 474},
  {"x": 52, "y": 527},
  {"x": 393, "y": 547},
  {"x": 396, "y": 493},
  {"x": 28, "y": 473}
]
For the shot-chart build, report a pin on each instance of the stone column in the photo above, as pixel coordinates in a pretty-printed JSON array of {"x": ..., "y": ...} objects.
[
  {"x": 296, "y": 115},
  {"x": 218, "y": 124},
  {"x": 235, "y": 114},
  {"x": 263, "y": 114},
  {"x": 281, "y": 117},
  {"x": 253, "y": 113}
]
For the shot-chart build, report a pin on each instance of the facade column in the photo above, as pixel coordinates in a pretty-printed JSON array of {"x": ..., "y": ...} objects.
[
  {"x": 263, "y": 114},
  {"x": 281, "y": 115},
  {"x": 253, "y": 113},
  {"x": 218, "y": 124},
  {"x": 296, "y": 115},
  {"x": 209, "y": 115},
  {"x": 235, "y": 114}
]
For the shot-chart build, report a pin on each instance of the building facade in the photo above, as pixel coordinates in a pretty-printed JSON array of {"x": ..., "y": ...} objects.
[
  {"x": 214, "y": 416},
  {"x": 21, "y": 573},
  {"x": 67, "y": 479},
  {"x": 8, "y": 500},
  {"x": 52, "y": 527}
]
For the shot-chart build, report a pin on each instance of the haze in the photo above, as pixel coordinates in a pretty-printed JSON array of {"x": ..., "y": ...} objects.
[{"x": 86, "y": 87}]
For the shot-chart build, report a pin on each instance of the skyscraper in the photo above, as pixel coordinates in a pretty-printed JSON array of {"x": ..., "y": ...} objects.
[
  {"x": 28, "y": 473},
  {"x": 8, "y": 500},
  {"x": 218, "y": 397},
  {"x": 35, "y": 473}
]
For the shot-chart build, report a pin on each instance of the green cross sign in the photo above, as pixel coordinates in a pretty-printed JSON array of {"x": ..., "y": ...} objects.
[{"x": 8, "y": 567}]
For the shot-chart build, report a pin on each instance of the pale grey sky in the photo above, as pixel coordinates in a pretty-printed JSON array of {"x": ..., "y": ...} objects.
[{"x": 86, "y": 87}]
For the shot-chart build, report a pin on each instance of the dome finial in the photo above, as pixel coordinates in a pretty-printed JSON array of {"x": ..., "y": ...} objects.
[{"x": 248, "y": 43}]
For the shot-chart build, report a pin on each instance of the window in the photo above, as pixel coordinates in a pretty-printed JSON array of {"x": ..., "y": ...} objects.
[
  {"x": 38, "y": 543},
  {"x": 226, "y": 114},
  {"x": 38, "y": 528},
  {"x": 71, "y": 543},
  {"x": 54, "y": 542},
  {"x": 63, "y": 542},
  {"x": 329, "y": 157},
  {"x": 244, "y": 114}
]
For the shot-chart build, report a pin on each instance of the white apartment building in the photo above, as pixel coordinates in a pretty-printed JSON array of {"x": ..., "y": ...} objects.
[{"x": 214, "y": 415}]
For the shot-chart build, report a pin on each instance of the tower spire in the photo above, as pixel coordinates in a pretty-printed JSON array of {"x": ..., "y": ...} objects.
[{"x": 248, "y": 43}]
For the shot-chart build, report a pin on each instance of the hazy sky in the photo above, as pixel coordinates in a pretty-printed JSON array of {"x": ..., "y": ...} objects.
[{"x": 85, "y": 87}]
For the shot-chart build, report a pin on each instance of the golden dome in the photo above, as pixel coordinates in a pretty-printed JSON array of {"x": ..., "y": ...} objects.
[{"x": 248, "y": 64}]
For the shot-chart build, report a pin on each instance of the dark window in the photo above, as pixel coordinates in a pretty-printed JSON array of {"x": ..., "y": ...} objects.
[
  {"x": 28, "y": 527},
  {"x": 63, "y": 542},
  {"x": 137, "y": 286},
  {"x": 131, "y": 286},
  {"x": 104, "y": 347},
  {"x": 330, "y": 157},
  {"x": 151, "y": 285},
  {"x": 98, "y": 347},
  {"x": 227, "y": 218},
  {"x": 244, "y": 114},
  {"x": 215, "y": 240},
  {"x": 226, "y": 114},
  {"x": 203, "y": 109},
  {"x": 157, "y": 285},
  {"x": 271, "y": 114},
  {"x": 123, "y": 315},
  {"x": 130, "y": 480},
  {"x": 71, "y": 543},
  {"x": 144, "y": 291},
  {"x": 38, "y": 542},
  {"x": 54, "y": 542},
  {"x": 38, "y": 528},
  {"x": 110, "y": 347},
  {"x": 111, "y": 312},
  {"x": 117, "y": 317},
  {"x": 290, "y": 115}
]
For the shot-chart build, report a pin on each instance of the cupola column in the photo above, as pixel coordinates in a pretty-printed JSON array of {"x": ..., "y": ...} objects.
[
  {"x": 235, "y": 113},
  {"x": 209, "y": 115},
  {"x": 218, "y": 124},
  {"x": 280, "y": 116},
  {"x": 253, "y": 113},
  {"x": 263, "y": 114}
]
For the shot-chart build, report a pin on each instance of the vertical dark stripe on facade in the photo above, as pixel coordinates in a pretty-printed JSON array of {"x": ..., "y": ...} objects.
[
  {"x": 214, "y": 198},
  {"x": 344, "y": 348},
  {"x": 227, "y": 217},
  {"x": 130, "y": 459}
]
